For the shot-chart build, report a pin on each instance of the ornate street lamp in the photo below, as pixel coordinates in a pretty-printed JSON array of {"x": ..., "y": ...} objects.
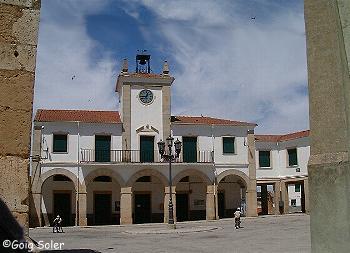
[{"x": 170, "y": 157}]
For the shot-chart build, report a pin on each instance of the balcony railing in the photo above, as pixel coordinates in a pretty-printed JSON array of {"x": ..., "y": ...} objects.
[{"x": 138, "y": 156}]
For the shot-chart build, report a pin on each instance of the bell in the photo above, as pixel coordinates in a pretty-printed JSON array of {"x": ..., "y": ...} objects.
[{"x": 142, "y": 62}]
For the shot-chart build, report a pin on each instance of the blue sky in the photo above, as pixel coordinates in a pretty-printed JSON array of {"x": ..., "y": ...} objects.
[{"x": 235, "y": 59}]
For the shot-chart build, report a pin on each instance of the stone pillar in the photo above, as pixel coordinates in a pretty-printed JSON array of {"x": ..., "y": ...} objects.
[
  {"x": 35, "y": 212},
  {"x": 166, "y": 203},
  {"x": 125, "y": 205},
  {"x": 306, "y": 194},
  {"x": 19, "y": 22},
  {"x": 251, "y": 187},
  {"x": 285, "y": 198},
  {"x": 277, "y": 197},
  {"x": 82, "y": 219},
  {"x": 166, "y": 101},
  {"x": 210, "y": 202},
  {"x": 328, "y": 53},
  {"x": 126, "y": 135}
]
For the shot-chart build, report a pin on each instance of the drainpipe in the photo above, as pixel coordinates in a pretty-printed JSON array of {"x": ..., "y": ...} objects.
[
  {"x": 215, "y": 176},
  {"x": 78, "y": 181}
]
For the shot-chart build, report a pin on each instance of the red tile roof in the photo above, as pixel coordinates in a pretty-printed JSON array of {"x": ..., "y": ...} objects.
[
  {"x": 77, "y": 115},
  {"x": 284, "y": 137},
  {"x": 201, "y": 120}
]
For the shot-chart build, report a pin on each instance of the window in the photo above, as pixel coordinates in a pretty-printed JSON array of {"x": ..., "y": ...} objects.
[
  {"x": 59, "y": 143},
  {"x": 144, "y": 179},
  {"x": 292, "y": 157},
  {"x": 297, "y": 188},
  {"x": 103, "y": 179},
  {"x": 264, "y": 159},
  {"x": 293, "y": 202},
  {"x": 228, "y": 145},
  {"x": 60, "y": 177},
  {"x": 185, "y": 179}
]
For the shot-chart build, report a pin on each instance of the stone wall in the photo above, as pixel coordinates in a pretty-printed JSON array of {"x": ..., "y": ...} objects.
[
  {"x": 328, "y": 51},
  {"x": 19, "y": 22}
]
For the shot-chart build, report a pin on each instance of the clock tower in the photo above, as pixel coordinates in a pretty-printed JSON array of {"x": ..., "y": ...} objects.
[{"x": 144, "y": 103}]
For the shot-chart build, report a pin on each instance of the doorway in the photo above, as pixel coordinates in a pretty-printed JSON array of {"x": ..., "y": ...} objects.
[
  {"x": 142, "y": 204},
  {"x": 102, "y": 148},
  {"x": 182, "y": 208},
  {"x": 102, "y": 208},
  {"x": 147, "y": 149},
  {"x": 189, "y": 149},
  {"x": 221, "y": 204},
  {"x": 62, "y": 207}
]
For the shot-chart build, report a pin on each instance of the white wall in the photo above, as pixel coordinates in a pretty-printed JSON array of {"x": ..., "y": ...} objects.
[
  {"x": 87, "y": 132},
  {"x": 143, "y": 115},
  {"x": 279, "y": 158}
]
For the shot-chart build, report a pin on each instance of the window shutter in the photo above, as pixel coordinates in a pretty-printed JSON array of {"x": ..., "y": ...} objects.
[
  {"x": 228, "y": 145},
  {"x": 292, "y": 157},
  {"x": 60, "y": 143},
  {"x": 264, "y": 159}
]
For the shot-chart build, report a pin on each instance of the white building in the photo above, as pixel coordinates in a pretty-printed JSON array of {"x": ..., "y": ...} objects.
[{"x": 104, "y": 167}]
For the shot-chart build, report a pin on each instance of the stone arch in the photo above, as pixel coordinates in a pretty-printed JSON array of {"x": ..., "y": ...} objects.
[
  {"x": 59, "y": 171},
  {"x": 234, "y": 172},
  {"x": 188, "y": 172},
  {"x": 147, "y": 172},
  {"x": 102, "y": 172}
]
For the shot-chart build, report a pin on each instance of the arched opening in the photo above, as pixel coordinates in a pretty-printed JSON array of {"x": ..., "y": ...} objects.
[
  {"x": 148, "y": 199},
  {"x": 58, "y": 198},
  {"x": 231, "y": 195},
  {"x": 103, "y": 201},
  {"x": 191, "y": 191}
]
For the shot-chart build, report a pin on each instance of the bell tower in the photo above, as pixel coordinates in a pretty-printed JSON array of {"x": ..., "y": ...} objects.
[{"x": 144, "y": 101}]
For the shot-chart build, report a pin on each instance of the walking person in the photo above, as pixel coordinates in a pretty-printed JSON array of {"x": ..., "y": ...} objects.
[
  {"x": 237, "y": 218},
  {"x": 55, "y": 224}
]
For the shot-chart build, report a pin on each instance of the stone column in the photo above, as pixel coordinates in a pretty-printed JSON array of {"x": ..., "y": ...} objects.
[
  {"x": 166, "y": 101},
  {"x": 210, "y": 202},
  {"x": 328, "y": 51},
  {"x": 36, "y": 210},
  {"x": 276, "y": 199},
  {"x": 82, "y": 219},
  {"x": 285, "y": 198},
  {"x": 251, "y": 187},
  {"x": 166, "y": 203},
  {"x": 306, "y": 194},
  {"x": 125, "y": 205},
  {"x": 19, "y": 23}
]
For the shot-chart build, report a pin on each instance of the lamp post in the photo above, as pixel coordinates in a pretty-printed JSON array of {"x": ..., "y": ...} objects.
[{"x": 170, "y": 157}]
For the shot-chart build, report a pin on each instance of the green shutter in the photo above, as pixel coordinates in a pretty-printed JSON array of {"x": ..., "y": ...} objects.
[
  {"x": 59, "y": 143},
  {"x": 297, "y": 187},
  {"x": 102, "y": 148},
  {"x": 228, "y": 145},
  {"x": 264, "y": 159},
  {"x": 292, "y": 157},
  {"x": 189, "y": 145},
  {"x": 147, "y": 149}
]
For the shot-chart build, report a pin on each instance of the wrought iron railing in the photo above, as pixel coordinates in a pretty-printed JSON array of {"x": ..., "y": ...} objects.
[{"x": 138, "y": 156}]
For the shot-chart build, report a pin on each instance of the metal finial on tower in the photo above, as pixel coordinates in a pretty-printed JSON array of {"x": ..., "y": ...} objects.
[
  {"x": 165, "y": 68},
  {"x": 125, "y": 66}
]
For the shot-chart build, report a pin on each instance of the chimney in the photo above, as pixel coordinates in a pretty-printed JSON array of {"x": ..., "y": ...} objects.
[{"x": 165, "y": 68}]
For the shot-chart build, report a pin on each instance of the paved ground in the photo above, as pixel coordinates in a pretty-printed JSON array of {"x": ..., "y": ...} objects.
[{"x": 288, "y": 233}]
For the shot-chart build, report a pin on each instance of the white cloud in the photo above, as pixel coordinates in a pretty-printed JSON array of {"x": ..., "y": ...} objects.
[
  {"x": 232, "y": 66},
  {"x": 68, "y": 76}
]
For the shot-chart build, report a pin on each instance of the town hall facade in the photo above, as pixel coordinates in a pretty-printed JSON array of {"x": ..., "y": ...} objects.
[{"x": 104, "y": 167}]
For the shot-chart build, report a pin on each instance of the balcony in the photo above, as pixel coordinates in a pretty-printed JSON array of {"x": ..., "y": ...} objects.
[{"x": 138, "y": 156}]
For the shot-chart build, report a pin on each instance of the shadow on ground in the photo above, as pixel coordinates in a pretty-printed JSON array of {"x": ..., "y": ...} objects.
[{"x": 72, "y": 251}]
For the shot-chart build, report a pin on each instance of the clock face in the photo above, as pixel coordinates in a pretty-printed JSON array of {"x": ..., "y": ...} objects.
[{"x": 146, "y": 96}]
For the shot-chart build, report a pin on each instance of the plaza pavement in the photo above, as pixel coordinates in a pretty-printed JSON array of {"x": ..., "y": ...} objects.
[{"x": 287, "y": 233}]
